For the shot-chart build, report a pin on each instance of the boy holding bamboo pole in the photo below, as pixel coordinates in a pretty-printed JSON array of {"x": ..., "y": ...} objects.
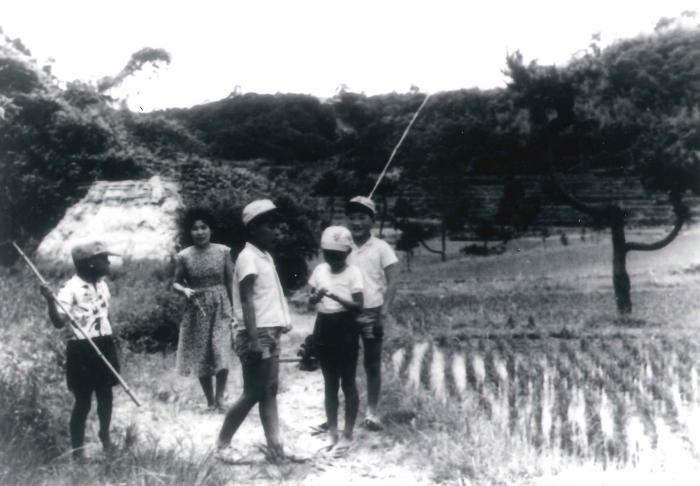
[{"x": 86, "y": 297}]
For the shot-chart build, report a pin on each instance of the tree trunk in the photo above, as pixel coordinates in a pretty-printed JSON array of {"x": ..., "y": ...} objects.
[{"x": 621, "y": 279}]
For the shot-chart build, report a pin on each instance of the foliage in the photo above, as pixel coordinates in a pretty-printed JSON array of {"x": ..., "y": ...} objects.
[
  {"x": 225, "y": 189},
  {"x": 53, "y": 143},
  {"x": 139, "y": 59},
  {"x": 282, "y": 128}
]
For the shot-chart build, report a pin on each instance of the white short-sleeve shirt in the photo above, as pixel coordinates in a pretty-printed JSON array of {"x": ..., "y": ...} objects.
[
  {"x": 268, "y": 297},
  {"x": 343, "y": 284},
  {"x": 88, "y": 305},
  {"x": 372, "y": 258}
]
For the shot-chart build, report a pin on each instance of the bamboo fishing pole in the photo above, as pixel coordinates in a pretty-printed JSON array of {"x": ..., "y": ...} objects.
[
  {"x": 396, "y": 148},
  {"x": 76, "y": 326}
]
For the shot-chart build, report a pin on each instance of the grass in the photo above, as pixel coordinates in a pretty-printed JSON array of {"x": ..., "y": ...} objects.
[
  {"x": 35, "y": 405},
  {"x": 553, "y": 292}
]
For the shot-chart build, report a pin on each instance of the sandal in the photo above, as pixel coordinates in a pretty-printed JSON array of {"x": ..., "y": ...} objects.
[
  {"x": 276, "y": 455},
  {"x": 342, "y": 449},
  {"x": 228, "y": 455}
]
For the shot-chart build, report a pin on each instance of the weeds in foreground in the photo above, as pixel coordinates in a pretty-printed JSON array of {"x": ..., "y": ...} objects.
[{"x": 456, "y": 441}]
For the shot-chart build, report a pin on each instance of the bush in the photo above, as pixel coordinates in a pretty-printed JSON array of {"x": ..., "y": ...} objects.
[
  {"x": 224, "y": 189},
  {"x": 33, "y": 404},
  {"x": 145, "y": 311}
]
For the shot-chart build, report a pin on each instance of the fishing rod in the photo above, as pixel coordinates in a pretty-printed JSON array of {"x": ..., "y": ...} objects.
[
  {"x": 76, "y": 326},
  {"x": 396, "y": 148}
]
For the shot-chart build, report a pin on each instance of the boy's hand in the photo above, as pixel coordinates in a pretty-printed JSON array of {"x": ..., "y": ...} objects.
[
  {"x": 189, "y": 293},
  {"x": 254, "y": 351},
  {"x": 314, "y": 298},
  {"x": 45, "y": 291}
]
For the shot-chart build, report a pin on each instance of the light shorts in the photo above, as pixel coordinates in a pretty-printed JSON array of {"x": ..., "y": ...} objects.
[
  {"x": 370, "y": 324},
  {"x": 268, "y": 340}
]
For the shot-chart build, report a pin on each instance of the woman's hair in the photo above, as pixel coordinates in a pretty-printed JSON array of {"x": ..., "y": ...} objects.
[{"x": 195, "y": 214}]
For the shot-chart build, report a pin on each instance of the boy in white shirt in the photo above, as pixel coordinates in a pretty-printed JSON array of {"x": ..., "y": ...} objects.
[
  {"x": 379, "y": 266},
  {"x": 336, "y": 291},
  {"x": 260, "y": 304}
]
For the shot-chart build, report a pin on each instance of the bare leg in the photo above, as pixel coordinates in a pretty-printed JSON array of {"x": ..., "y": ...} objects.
[
  {"x": 253, "y": 390},
  {"x": 373, "y": 369},
  {"x": 352, "y": 399},
  {"x": 268, "y": 403},
  {"x": 207, "y": 387},
  {"x": 221, "y": 378},
  {"x": 331, "y": 382},
  {"x": 78, "y": 418},
  {"x": 104, "y": 413}
]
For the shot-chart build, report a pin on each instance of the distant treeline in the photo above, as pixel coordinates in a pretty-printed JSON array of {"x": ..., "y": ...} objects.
[{"x": 633, "y": 107}]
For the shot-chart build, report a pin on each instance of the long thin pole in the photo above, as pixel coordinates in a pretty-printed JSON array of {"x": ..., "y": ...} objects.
[
  {"x": 80, "y": 329},
  {"x": 393, "y": 153}
]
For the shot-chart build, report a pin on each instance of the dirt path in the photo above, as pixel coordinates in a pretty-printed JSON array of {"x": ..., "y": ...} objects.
[{"x": 173, "y": 417}]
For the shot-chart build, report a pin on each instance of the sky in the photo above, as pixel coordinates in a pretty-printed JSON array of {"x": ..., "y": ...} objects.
[{"x": 314, "y": 46}]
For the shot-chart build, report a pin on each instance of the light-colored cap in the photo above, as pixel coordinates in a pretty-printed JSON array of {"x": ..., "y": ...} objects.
[
  {"x": 90, "y": 248},
  {"x": 363, "y": 201},
  {"x": 336, "y": 238},
  {"x": 257, "y": 208}
]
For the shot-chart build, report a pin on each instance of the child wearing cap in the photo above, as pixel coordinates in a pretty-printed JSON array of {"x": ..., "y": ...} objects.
[
  {"x": 379, "y": 266},
  {"x": 86, "y": 298},
  {"x": 336, "y": 291},
  {"x": 259, "y": 303}
]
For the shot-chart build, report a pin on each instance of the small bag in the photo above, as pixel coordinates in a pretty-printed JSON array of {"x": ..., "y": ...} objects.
[{"x": 308, "y": 354}]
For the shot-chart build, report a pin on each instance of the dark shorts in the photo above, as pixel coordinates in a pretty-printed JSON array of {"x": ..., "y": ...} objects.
[
  {"x": 85, "y": 370},
  {"x": 268, "y": 340},
  {"x": 336, "y": 338},
  {"x": 370, "y": 324}
]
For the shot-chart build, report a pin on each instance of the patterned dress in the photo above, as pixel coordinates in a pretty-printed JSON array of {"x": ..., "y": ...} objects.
[{"x": 204, "y": 345}]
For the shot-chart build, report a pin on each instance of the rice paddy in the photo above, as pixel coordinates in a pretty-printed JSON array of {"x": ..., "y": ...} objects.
[{"x": 613, "y": 399}]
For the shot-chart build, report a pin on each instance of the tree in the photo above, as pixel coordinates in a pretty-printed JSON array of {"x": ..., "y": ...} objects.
[
  {"x": 139, "y": 59},
  {"x": 638, "y": 96}
]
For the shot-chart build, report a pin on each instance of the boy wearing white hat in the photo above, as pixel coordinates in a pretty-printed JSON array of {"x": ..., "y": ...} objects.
[
  {"x": 259, "y": 303},
  {"x": 86, "y": 298},
  {"x": 336, "y": 291},
  {"x": 379, "y": 266}
]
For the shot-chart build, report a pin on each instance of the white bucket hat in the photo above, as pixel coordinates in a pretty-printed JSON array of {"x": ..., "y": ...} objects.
[
  {"x": 257, "y": 208},
  {"x": 363, "y": 201},
  {"x": 336, "y": 238}
]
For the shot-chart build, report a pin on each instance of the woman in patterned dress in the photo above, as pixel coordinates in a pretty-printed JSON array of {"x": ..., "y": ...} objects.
[{"x": 203, "y": 274}]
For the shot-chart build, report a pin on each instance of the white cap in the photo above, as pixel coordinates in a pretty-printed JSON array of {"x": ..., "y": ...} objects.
[
  {"x": 257, "y": 208},
  {"x": 336, "y": 238},
  {"x": 363, "y": 201},
  {"x": 83, "y": 250}
]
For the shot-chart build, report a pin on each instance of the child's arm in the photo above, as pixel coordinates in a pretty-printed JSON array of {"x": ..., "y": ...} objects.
[
  {"x": 248, "y": 308},
  {"x": 391, "y": 272},
  {"x": 55, "y": 316},
  {"x": 355, "y": 304},
  {"x": 315, "y": 297}
]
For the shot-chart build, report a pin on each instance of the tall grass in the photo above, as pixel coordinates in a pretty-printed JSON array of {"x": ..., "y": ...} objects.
[
  {"x": 459, "y": 443},
  {"x": 35, "y": 404}
]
